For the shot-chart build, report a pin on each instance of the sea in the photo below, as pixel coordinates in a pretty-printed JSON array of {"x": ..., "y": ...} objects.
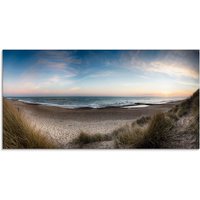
[{"x": 74, "y": 102}]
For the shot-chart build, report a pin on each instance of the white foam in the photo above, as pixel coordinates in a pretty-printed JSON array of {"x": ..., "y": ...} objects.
[{"x": 136, "y": 106}]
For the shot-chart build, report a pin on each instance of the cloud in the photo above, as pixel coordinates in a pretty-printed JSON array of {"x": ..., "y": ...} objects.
[
  {"x": 54, "y": 79},
  {"x": 57, "y": 66},
  {"x": 64, "y": 71},
  {"x": 171, "y": 63},
  {"x": 51, "y": 84},
  {"x": 187, "y": 83},
  {"x": 59, "y": 56},
  {"x": 101, "y": 74},
  {"x": 74, "y": 89},
  {"x": 53, "y": 64},
  {"x": 59, "y": 61},
  {"x": 172, "y": 69},
  {"x": 57, "y": 81},
  {"x": 49, "y": 63}
]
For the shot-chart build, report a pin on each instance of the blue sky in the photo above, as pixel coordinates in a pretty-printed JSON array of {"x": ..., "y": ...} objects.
[{"x": 100, "y": 72}]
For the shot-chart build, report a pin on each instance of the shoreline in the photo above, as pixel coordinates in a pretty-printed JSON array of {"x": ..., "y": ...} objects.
[
  {"x": 126, "y": 106},
  {"x": 63, "y": 124}
]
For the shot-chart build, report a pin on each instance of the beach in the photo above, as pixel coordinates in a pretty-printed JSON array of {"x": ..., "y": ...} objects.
[{"x": 63, "y": 125}]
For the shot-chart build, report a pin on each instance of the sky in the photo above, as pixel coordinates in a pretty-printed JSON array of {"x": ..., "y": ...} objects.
[{"x": 100, "y": 72}]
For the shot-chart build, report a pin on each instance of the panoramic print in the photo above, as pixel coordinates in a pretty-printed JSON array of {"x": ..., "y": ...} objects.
[{"x": 100, "y": 99}]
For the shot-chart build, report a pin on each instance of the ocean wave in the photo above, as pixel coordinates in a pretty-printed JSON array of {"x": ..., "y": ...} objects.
[
  {"x": 94, "y": 102},
  {"x": 136, "y": 106}
]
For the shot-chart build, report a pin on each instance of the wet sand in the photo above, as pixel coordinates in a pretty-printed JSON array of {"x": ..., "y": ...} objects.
[{"x": 63, "y": 124}]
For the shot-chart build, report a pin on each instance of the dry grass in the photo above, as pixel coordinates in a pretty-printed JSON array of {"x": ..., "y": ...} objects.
[
  {"x": 85, "y": 138},
  {"x": 151, "y": 136},
  {"x": 128, "y": 137},
  {"x": 143, "y": 120},
  {"x": 189, "y": 105},
  {"x": 156, "y": 135},
  {"x": 18, "y": 134}
]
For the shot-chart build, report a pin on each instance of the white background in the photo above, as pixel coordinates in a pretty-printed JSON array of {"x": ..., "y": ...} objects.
[{"x": 98, "y": 174}]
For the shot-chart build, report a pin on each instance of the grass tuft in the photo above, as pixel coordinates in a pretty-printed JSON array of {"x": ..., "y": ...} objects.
[
  {"x": 128, "y": 137},
  {"x": 143, "y": 120},
  {"x": 18, "y": 134},
  {"x": 157, "y": 131},
  {"x": 85, "y": 138},
  {"x": 189, "y": 105},
  {"x": 152, "y": 136}
]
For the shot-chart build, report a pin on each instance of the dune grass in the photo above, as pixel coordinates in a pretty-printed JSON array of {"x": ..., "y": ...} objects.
[
  {"x": 150, "y": 136},
  {"x": 85, "y": 138},
  {"x": 18, "y": 133},
  {"x": 190, "y": 105},
  {"x": 128, "y": 137},
  {"x": 146, "y": 132},
  {"x": 143, "y": 120},
  {"x": 157, "y": 131}
]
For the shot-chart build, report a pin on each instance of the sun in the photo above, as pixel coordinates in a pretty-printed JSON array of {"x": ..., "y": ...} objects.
[{"x": 166, "y": 93}]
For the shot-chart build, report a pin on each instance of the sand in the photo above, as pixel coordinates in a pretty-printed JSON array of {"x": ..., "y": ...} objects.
[{"x": 63, "y": 125}]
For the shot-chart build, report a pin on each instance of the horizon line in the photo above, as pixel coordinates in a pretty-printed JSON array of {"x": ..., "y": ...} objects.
[{"x": 9, "y": 96}]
